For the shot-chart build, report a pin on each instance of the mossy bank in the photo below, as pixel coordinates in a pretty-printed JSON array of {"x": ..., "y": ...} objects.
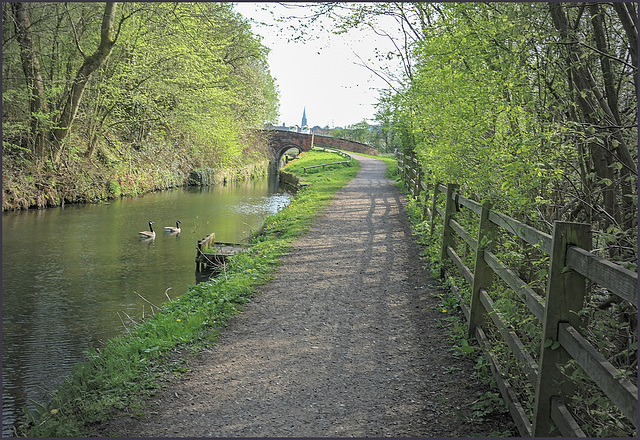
[{"x": 113, "y": 174}]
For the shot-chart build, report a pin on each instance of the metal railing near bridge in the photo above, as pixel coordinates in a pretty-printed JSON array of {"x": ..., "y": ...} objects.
[{"x": 570, "y": 266}]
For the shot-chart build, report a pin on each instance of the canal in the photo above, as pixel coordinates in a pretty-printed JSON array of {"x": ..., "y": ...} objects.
[{"x": 71, "y": 275}]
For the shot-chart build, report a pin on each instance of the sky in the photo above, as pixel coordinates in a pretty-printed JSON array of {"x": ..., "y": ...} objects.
[{"x": 319, "y": 75}]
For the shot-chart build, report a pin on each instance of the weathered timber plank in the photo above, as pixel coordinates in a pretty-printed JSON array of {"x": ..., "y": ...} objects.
[
  {"x": 526, "y": 232},
  {"x": 448, "y": 238},
  {"x": 471, "y": 204},
  {"x": 434, "y": 209},
  {"x": 440, "y": 211},
  {"x": 563, "y": 419},
  {"x": 623, "y": 282},
  {"x": 515, "y": 407},
  {"x": 442, "y": 188},
  {"x": 620, "y": 390},
  {"x": 323, "y": 165},
  {"x": 564, "y": 299},
  {"x": 463, "y": 234},
  {"x": 531, "y": 298},
  {"x": 529, "y": 365},
  {"x": 466, "y": 272},
  {"x": 207, "y": 241},
  {"x": 465, "y": 308},
  {"x": 482, "y": 273},
  {"x": 427, "y": 214}
]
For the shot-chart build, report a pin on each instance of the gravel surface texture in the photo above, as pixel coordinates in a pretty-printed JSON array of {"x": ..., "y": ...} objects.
[{"x": 345, "y": 341}]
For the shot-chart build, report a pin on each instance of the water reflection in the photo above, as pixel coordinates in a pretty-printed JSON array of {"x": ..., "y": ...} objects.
[{"x": 68, "y": 273}]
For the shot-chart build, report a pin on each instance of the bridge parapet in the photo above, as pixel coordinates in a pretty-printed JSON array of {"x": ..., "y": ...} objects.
[
  {"x": 280, "y": 141},
  {"x": 344, "y": 144}
]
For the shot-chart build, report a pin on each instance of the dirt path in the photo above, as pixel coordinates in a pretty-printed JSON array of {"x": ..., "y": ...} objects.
[{"x": 343, "y": 342}]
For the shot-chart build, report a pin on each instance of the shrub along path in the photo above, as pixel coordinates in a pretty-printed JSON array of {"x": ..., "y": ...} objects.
[{"x": 346, "y": 340}]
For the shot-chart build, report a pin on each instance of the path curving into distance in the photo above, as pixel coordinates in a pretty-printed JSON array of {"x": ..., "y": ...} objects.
[{"x": 344, "y": 341}]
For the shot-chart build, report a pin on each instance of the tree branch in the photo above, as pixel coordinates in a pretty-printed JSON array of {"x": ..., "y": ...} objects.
[{"x": 75, "y": 32}]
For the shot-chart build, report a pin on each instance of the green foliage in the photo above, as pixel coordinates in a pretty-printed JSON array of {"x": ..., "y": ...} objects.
[
  {"x": 191, "y": 76},
  {"x": 114, "y": 189},
  {"x": 491, "y": 97}
]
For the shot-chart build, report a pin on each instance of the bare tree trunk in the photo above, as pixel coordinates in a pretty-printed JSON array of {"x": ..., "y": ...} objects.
[
  {"x": 605, "y": 63},
  {"x": 585, "y": 82},
  {"x": 33, "y": 76},
  {"x": 589, "y": 98},
  {"x": 628, "y": 15},
  {"x": 612, "y": 99},
  {"x": 89, "y": 66}
]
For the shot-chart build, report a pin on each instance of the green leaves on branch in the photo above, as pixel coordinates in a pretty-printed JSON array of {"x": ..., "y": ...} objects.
[{"x": 174, "y": 69}]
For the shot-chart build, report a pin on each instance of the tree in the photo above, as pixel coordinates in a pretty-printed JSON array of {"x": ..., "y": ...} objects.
[
  {"x": 59, "y": 122},
  {"x": 539, "y": 97},
  {"x": 191, "y": 74},
  {"x": 598, "y": 105},
  {"x": 33, "y": 76},
  {"x": 90, "y": 64}
]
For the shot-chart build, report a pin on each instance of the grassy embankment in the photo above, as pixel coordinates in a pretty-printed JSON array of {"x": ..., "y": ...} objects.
[{"x": 128, "y": 369}]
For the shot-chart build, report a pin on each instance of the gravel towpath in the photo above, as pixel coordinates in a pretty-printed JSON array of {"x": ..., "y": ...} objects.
[{"x": 344, "y": 341}]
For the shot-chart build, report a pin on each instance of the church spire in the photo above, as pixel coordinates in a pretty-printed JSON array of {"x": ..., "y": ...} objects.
[{"x": 304, "y": 117}]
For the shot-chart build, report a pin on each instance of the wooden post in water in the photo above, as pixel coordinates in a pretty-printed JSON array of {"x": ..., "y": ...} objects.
[
  {"x": 206, "y": 242},
  {"x": 482, "y": 273},
  {"x": 565, "y": 298}
]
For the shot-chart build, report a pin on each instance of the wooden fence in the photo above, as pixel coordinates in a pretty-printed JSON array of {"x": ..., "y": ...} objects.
[
  {"x": 330, "y": 150},
  {"x": 571, "y": 264}
]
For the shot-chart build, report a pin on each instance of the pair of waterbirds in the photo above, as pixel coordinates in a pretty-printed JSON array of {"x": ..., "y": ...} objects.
[{"x": 152, "y": 234}]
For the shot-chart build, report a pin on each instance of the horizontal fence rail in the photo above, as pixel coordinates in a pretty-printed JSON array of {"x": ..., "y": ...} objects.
[
  {"x": 571, "y": 265},
  {"x": 333, "y": 150},
  {"x": 329, "y": 163}
]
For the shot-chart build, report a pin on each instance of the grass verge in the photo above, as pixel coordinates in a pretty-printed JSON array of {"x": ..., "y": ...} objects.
[{"x": 121, "y": 376}]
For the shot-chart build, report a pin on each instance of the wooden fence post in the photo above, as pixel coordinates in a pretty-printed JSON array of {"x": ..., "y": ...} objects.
[
  {"x": 433, "y": 207},
  {"x": 418, "y": 173},
  {"x": 425, "y": 205},
  {"x": 482, "y": 272},
  {"x": 565, "y": 298},
  {"x": 416, "y": 188},
  {"x": 447, "y": 232},
  {"x": 409, "y": 174},
  {"x": 404, "y": 168}
]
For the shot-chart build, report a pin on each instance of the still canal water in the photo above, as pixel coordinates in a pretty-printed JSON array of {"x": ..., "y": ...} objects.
[{"x": 70, "y": 274}]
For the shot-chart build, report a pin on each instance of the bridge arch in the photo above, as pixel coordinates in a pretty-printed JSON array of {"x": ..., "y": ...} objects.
[
  {"x": 283, "y": 148},
  {"x": 280, "y": 141}
]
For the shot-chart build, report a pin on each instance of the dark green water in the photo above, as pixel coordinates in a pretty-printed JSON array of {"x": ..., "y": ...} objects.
[{"x": 70, "y": 274}]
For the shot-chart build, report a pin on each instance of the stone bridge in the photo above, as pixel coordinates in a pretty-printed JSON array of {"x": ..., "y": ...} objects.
[{"x": 281, "y": 141}]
